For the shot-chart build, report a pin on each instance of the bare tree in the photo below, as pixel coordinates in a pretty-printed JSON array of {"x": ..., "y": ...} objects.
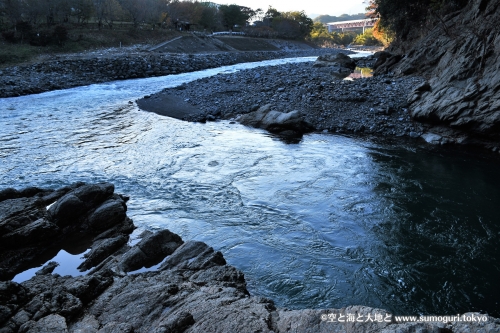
[
  {"x": 144, "y": 11},
  {"x": 82, "y": 10},
  {"x": 107, "y": 11},
  {"x": 13, "y": 10}
]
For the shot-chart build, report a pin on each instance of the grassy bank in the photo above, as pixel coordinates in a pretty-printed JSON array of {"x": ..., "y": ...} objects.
[{"x": 80, "y": 40}]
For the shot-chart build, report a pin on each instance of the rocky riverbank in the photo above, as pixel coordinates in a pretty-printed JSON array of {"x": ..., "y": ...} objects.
[
  {"x": 460, "y": 59},
  {"x": 317, "y": 98},
  {"x": 315, "y": 92},
  {"x": 188, "y": 288},
  {"x": 72, "y": 71}
]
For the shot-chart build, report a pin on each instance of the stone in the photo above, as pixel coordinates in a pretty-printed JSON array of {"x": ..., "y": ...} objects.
[
  {"x": 275, "y": 121},
  {"x": 48, "y": 268},
  {"x": 151, "y": 250},
  {"x": 116, "y": 327},
  {"x": 41, "y": 230},
  {"x": 186, "y": 252},
  {"x": 102, "y": 249},
  {"x": 335, "y": 60},
  {"x": 29, "y": 233},
  {"x": 339, "y": 65},
  {"x": 462, "y": 87},
  {"x": 194, "y": 290},
  {"x": 94, "y": 194},
  {"x": 178, "y": 323},
  {"x": 67, "y": 210},
  {"x": 107, "y": 215},
  {"x": 9, "y": 193},
  {"x": 17, "y": 213},
  {"x": 431, "y": 138},
  {"x": 49, "y": 324}
]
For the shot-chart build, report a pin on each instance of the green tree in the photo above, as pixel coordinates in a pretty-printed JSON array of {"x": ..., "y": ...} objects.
[
  {"x": 366, "y": 38},
  {"x": 233, "y": 15},
  {"x": 272, "y": 13},
  {"x": 319, "y": 30},
  {"x": 400, "y": 17},
  {"x": 107, "y": 11},
  {"x": 13, "y": 10},
  {"x": 305, "y": 23},
  {"x": 209, "y": 17},
  {"x": 286, "y": 27},
  {"x": 144, "y": 11}
]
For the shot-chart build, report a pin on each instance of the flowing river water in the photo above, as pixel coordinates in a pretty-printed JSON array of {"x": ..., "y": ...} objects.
[{"x": 328, "y": 222}]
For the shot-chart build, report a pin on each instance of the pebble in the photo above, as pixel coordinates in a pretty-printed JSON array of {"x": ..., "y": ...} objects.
[{"x": 324, "y": 101}]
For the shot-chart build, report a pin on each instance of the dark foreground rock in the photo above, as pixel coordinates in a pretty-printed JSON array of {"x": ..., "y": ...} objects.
[{"x": 192, "y": 289}]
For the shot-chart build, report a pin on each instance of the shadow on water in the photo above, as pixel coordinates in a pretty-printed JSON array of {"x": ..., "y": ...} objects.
[{"x": 437, "y": 249}]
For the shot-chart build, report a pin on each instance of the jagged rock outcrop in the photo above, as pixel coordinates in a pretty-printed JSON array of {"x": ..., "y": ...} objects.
[
  {"x": 34, "y": 226},
  {"x": 460, "y": 57},
  {"x": 192, "y": 290}
]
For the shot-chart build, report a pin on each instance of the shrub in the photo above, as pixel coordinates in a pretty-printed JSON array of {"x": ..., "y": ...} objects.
[
  {"x": 60, "y": 34},
  {"x": 366, "y": 38},
  {"x": 42, "y": 38},
  {"x": 9, "y": 36}
]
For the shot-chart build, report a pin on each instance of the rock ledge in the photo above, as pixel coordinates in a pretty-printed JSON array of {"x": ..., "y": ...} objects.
[{"x": 191, "y": 290}]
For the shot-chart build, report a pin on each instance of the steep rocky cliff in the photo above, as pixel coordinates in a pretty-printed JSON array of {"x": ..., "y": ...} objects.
[{"x": 460, "y": 58}]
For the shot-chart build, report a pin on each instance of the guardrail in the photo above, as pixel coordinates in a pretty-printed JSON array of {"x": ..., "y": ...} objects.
[{"x": 227, "y": 33}]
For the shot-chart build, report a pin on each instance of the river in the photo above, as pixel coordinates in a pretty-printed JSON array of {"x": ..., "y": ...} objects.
[{"x": 328, "y": 222}]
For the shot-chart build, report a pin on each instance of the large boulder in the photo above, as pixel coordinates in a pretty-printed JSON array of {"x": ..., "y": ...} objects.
[
  {"x": 9, "y": 193},
  {"x": 107, "y": 215},
  {"x": 35, "y": 232},
  {"x": 102, "y": 249},
  {"x": 71, "y": 207},
  {"x": 340, "y": 65},
  {"x": 289, "y": 123}
]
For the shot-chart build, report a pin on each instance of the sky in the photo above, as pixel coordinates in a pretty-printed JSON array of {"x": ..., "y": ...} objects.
[{"x": 312, "y": 7}]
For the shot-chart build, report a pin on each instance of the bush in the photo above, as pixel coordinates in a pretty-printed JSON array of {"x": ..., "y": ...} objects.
[
  {"x": 42, "y": 38},
  {"x": 330, "y": 38},
  {"x": 60, "y": 34},
  {"x": 9, "y": 36},
  {"x": 24, "y": 28},
  {"x": 366, "y": 38}
]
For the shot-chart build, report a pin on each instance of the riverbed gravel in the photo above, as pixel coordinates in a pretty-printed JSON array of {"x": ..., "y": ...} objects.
[
  {"x": 373, "y": 105},
  {"x": 67, "y": 71}
]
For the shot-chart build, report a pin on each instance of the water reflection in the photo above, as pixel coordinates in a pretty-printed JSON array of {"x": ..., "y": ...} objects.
[
  {"x": 438, "y": 243},
  {"x": 360, "y": 73},
  {"x": 328, "y": 222}
]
